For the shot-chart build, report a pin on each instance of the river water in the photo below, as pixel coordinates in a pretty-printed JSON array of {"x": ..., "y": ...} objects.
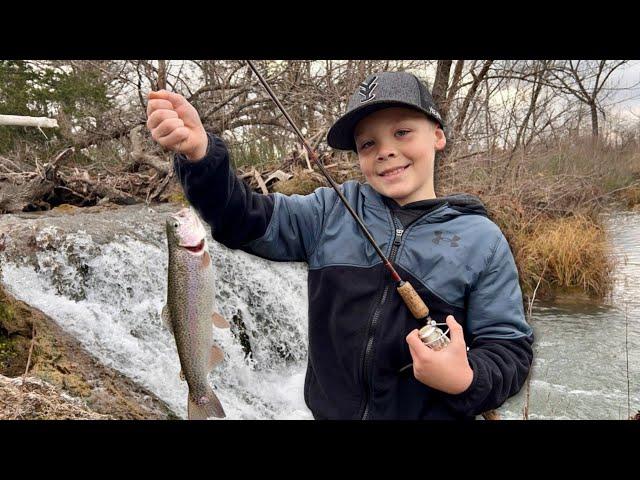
[
  {"x": 102, "y": 276},
  {"x": 587, "y": 355}
]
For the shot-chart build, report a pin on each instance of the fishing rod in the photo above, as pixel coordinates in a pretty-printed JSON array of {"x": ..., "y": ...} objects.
[{"x": 430, "y": 334}]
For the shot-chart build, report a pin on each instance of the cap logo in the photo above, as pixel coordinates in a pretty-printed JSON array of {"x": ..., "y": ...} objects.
[
  {"x": 366, "y": 90},
  {"x": 434, "y": 112}
]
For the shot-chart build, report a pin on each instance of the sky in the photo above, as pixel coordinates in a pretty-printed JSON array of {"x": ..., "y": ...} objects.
[{"x": 629, "y": 101}]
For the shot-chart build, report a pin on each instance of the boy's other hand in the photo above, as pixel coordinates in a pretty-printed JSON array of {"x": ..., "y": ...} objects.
[
  {"x": 446, "y": 370},
  {"x": 175, "y": 124}
]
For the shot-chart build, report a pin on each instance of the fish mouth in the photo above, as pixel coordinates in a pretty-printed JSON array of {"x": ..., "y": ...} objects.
[{"x": 195, "y": 248}]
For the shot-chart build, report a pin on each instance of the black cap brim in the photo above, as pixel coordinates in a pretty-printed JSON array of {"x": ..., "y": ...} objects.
[{"x": 340, "y": 135}]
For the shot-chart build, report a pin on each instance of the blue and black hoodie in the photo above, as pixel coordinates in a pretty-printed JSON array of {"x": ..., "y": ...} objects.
[{"x": 457, "y": 259}]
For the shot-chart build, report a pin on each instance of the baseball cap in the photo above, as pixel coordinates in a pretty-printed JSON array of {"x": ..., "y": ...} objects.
[{"x": 378, "y": 91}]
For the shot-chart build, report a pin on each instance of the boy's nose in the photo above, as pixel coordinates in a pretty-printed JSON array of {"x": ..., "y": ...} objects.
[{"x": 386, "y": 153}]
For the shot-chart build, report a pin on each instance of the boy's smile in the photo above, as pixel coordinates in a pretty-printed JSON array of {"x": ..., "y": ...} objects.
[{"x": 396, "y": 148}]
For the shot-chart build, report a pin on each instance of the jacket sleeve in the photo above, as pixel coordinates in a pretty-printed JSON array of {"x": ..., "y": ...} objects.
[
  {"x": 500, "y": 350},
  {"x": 273, "y": 226}
]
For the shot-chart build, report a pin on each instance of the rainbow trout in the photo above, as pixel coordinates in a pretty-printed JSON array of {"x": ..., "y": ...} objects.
[{"x": 190, "y": 312}]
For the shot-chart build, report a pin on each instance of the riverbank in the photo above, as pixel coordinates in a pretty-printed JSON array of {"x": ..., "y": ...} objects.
[{"x": 62, "y": 377}]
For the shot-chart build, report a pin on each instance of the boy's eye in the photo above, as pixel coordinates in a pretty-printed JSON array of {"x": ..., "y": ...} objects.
[
  {"x": 402, "y": 133},
  {"x": 366, "y": 144}
]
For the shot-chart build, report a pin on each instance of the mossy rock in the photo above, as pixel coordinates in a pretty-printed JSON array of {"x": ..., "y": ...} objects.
[
  {"x": 303, "y": 183},
  {"x": 15, "y": 333},
  {"x": 174, "y": 193},
  {"x": 7, "y": 353},
  {"x": 65, "y": 208},
  {"x": 177, "y": 197},
  {"x": 62, "y": 362},
  {"x": 6, "y": 313},
  {"x": 11, "y": 318}
]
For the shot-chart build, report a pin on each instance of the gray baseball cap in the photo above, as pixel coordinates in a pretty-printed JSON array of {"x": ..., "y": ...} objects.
[{"x": 378, "y": 91}]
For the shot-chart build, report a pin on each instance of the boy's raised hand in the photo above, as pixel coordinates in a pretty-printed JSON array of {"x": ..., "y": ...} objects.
[
  {"x": 175, "y": 124},
  {"x": 446, "y": 370}
]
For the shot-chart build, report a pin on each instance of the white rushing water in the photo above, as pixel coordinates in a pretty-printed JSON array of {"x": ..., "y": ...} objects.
[{"x": 110, "y": 295}]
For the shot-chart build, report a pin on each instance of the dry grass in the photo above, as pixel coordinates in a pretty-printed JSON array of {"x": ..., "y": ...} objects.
[
  {"x": 548, "y": 201},
  {"x": 576, "y": 254},
  {"x": 574, "y": 248},
  {"x": 33, "y": 399},
  {"x": 630, "y": 196}
]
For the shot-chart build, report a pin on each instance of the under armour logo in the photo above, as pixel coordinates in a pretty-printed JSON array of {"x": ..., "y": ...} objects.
[
  {"x": 366, "y": 90},
  {"x": 439, "y": 237}
]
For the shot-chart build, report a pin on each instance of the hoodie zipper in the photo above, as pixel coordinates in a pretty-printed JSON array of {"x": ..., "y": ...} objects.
[
  {"x": 397, "y": 241},
  {"x": 366, "y": 357}
]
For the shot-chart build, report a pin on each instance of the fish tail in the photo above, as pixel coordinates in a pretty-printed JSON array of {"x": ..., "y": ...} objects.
[{"x": 205, "y": 407}]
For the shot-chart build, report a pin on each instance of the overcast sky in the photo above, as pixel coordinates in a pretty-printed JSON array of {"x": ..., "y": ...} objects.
[{"x": 629, "y": 100}]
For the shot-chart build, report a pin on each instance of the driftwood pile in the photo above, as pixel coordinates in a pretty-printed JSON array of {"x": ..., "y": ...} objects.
[
  {"x": 297, "y": 168},
  {"x": 25, "y": 188},
  {"x": 146, "y": 178}
]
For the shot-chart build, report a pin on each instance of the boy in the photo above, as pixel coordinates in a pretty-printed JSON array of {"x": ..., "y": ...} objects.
[{"x": 361, "y": 334}]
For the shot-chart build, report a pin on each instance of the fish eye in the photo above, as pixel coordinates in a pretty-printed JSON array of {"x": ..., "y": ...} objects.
[{"x": 175, "y": 225}]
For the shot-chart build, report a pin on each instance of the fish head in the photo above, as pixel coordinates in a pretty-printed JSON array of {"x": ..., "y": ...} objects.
[{"x": 185, "y": 230}]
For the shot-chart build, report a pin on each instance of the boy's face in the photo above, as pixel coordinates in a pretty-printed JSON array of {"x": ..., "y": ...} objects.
[{"x": 399, "y": 137}]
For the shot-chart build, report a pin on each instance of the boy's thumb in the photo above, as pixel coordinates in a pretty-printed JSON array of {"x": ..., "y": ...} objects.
[
  {"x": 455, "y": 329},
  {"x": 175, "y": 99}
]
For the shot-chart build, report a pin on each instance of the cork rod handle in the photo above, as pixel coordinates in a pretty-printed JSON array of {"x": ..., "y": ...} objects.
[{"x": 413, "y": 300}]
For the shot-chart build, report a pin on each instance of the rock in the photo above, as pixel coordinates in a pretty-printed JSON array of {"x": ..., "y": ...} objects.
[
  {"x": 303, "y": 183},
  {"x": 65, "y": 208},
  {"x": 79, "y": 385},
  {"x": 32, "y": 398}
]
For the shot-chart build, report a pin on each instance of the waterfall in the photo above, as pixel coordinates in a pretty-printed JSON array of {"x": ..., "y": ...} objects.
[{"x": 103, "y": 278}]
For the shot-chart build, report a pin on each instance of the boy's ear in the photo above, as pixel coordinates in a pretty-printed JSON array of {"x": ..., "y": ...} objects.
[{"x": 441, "y": 139}]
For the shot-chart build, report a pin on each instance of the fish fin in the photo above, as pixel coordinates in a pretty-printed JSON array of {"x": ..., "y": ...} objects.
[
  {"x": 216, "y": 357},
  {"x": 166, "y": 317},
  {"x": 206, "y": 259},
  {"x": 206, "y": 407},
  {"x": 182, "y": 377},
  {"x": 219, "y": 321}
]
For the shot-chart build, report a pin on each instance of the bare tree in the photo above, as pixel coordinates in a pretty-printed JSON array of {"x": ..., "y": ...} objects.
[
  {"x": 477, "y": 80},
  {"x": 585, "y": 80}
]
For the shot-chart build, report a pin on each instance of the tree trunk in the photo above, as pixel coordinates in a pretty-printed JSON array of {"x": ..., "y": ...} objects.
[
  {"x": 453, "y": 89},
  {"x": 441, "y": 84},
  {"x": 594, "y": 120},
  {"x": 162, "y": 75},
  {"x": 477, "y": 79}
]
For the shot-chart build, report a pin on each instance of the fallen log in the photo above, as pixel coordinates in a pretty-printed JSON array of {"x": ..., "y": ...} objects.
[
  {"x": 16, "y": 197},
  {"x": 92, "y": 190},
  {"x": 22, "y": 121},
  {"x": 278, "y": 174}
]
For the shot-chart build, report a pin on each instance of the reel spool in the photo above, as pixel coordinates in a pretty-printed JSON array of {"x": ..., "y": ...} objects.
[{"x": 433, "y": 336}]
